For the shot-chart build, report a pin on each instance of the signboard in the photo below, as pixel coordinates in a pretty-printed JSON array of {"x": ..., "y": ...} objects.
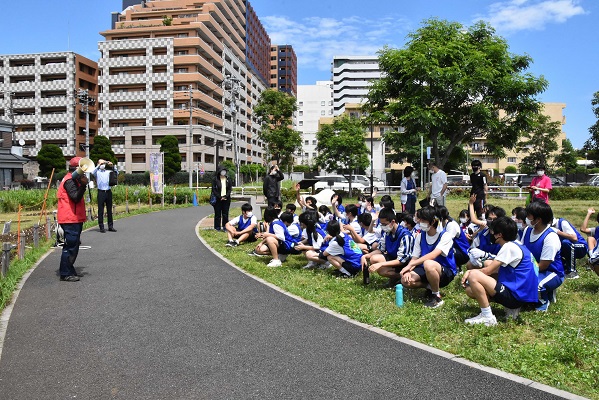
[{"x": 157, "y": 172}]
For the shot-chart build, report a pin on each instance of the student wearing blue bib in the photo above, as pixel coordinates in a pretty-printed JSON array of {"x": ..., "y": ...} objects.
[
  {"x": 574, "y": 246},
  {"x": 313, "y": 240},
  {"x": 342, "y": 252},
  {"x": 366, "y": 238},
  {"x": 516, "y": 271},
  {"x": 592, "y": 239},
  {"x": 544, "y": 244},
  {"x": 241, "y": 229},
  {"x": 432, "y": 265},
  {"x": 481, "y": 248},
  {"x": 277, "y": 242}
]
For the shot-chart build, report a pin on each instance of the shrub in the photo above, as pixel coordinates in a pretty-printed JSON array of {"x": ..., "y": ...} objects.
[
  {"x": 510, "y": 169},
  {"x": 575, "y": 193}
]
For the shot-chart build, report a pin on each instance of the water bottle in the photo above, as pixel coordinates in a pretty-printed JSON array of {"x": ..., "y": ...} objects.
[
  {"x": 366, "y": 274},
  {"x": 399, "y": 295}
]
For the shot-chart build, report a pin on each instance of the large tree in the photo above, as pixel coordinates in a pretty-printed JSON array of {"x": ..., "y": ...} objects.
[
  {"x": 341, "y": 147},
  {"x": 172, "y": 155},
  {"x": 102, "y": 149},
  {"x": 276, "y": 109},
  {"x": 567, "y": 157},
  {"x": 591, "y": 146},
  {"x": 455, "y": 84},
  {"x": 539, "y": 143},
  {"x": 50, "y": 157}
]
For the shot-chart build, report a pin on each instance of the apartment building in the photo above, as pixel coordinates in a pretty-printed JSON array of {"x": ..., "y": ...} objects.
[
  {"x": 38, "y": 95},
  {"x": 352, "y": 76},
  {"x": 313, "y": 103},
  {"x": 184, "y": 68},
  {"x": 283, "y": 69}
]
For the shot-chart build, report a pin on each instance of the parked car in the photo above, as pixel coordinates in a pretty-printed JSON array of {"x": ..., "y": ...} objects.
[
  {"x": 336, "y": 182},
  {"x": 593, "y": 181},
  {"x": 365, "y": 180},
  {"x": 525, "y": 180},
  {"x": 458, "y": 180}
]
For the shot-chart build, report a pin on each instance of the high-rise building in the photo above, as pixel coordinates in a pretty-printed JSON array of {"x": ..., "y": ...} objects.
[
  {"x": 38, "y": 96},
  {"x": 283, "y": 69},
  {"x": 313, "y": 103},
  {"x": 163, "y": 67},
  {"x": 352, "y": 76}
]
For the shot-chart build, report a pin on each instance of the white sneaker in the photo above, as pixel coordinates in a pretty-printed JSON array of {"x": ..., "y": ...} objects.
[
  {"x": 310, "y": 265},
  {"x": 274, "y": 263},
  {"x": 282, "y": 257},
  {"x": 326, "y": 265},
  {"x": 512, "y": 313},
  {"x": 480, "y": 319}
]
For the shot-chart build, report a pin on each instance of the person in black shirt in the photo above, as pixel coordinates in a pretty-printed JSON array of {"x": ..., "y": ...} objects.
[{"x": 478, "y": 180}]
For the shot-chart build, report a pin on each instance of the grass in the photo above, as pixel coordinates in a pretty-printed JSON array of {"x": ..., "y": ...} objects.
[{"x": 559, "y": 348}]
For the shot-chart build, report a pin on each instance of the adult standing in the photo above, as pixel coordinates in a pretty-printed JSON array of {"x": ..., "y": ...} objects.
[
  {"x": 221, "y": 191},
  {"x": 102, "y": 174},
  {"x": 71, "y": 216},
  {"x": 478, "y": 180},
  {"x": 438, "y": 189},
  {"x": 540, "y": 186},
  {"x": 408, "y": 191},
  {"x": 271, "y": 187}
]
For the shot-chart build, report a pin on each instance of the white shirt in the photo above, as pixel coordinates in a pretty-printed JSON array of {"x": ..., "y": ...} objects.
[
  {"x": 293, "y": 230},
  {"x": 334, "y": 248},
  {"x": 356, "y": 225},
  {"x": 566, "y": 227},
  {"x": 454, "y": 229},
  {"x": 551, "y": 245},
  {"x": 438, "y": 179},
  {"x": 235, "y": 221},
  {"x": 445, "y": 244},
  {"x": 509, "y": 254}
]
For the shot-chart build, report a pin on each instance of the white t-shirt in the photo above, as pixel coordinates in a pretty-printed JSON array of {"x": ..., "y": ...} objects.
[
  {"x": 438, "y": 179},
  {"x": 551, "y": 245},
  {"x": 293, "y": 230},
  {"x": 509, "y": 254},
  {"x": 316, "y": 244},
  {"x": 334, "y": 248},
  {"x": 235, "y": 221},
  {"x": 445, "y": 244},
  {"x": 566, "y": 227},
  {"x": 356, "y": 225},
  {"x": 454, "y": 229},
  {"x": 279, "y": 232}
]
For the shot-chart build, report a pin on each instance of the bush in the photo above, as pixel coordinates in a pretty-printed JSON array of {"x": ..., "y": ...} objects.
[
  {"x": 575, "y": 193},
  {"x": 137, "y": 179},
  {"x": 510, "y": 169}
]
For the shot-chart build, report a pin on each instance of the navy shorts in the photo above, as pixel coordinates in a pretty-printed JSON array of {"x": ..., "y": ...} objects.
[
  {"x": 504, "y": 296},
  {"x": 447, "y": 275},
  {"x": 282, "y": 249},
  {"x": 351, "y": 268}
]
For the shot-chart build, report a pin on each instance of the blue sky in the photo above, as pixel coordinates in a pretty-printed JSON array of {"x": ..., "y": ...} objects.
[{"x": 560, "y": 35}]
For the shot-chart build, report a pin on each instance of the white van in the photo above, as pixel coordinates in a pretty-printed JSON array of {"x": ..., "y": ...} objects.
[{"x": 336, "y": 182}]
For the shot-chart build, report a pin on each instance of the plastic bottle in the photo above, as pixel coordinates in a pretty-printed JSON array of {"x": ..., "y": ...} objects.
[
  {"x": 399, "y": 295},
  {"x": 366, "y": 275}
]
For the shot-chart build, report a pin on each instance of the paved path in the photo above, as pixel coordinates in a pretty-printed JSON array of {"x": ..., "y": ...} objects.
[{"x": 158, "y": 316}]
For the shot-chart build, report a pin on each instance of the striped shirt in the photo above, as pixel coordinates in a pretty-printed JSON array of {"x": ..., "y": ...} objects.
[{"x": 405, "y": 249}]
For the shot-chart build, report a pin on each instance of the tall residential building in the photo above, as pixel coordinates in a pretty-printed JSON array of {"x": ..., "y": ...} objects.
[
  {"x": 352, "y": 76},
  {"x": 283, "y": 69},
  {"x": 313, "y": 103},
  {"x": 162, "y": 56},
  {"x": 37, "y": 95}
]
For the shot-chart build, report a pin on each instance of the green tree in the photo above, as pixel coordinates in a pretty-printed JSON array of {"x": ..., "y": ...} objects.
[
  {"x": 566, "y": 158},
  {"x": 172, "y": 156},
  {"x": 456, "y": 84},
  {"x": 102, "y": 149},
  {"x": 539, "y": 143},
  {"x": 341, "y": 147},
  {"x": 276, "y": 109},
  {"x": 510, "y": 169},
  {"x": 591, "y": 146},
  {"x": 50, "y": 156}
]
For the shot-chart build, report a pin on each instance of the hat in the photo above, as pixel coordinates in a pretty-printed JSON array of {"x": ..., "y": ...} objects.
[{"x": 74, "y": 161}]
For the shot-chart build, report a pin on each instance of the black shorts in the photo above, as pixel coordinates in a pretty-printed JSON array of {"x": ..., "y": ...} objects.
[
  {"x": 389, "y": 257},
  {"x": 505, "y": 297},
  {"x": 351, "y": 268},
  {"x": 447, "y": 275},
  {"x": 282, "y": 249}
]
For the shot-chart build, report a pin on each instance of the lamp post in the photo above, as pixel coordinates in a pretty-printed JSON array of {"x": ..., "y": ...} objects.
[
  {"x": 586, "y": 161},
  {"x": 85, "y": 100},
  {"x": 233, "y": 85},
  {"x": 189, "y": 149},
  {"x": 371, "y": 159}
]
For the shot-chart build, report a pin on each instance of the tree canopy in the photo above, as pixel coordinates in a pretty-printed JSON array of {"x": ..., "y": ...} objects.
[
  {"x": 341, "y": 146},
  {"x": 50, "y": 156},
  {"x": 102, "y": 149},
  {"x": 276, "y": 111},
  {"x": 567, "y": 157},
  {"x": 455, "y": 84},
  {"x": 172, "y": 155},
  {"x": 592, "y": 144},
  {"x": 539, "y": 143}
]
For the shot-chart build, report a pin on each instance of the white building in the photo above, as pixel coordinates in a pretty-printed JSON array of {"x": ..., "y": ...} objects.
[
  {"x": 352, "y": 76},
  {"x": 313, "y": 102}
]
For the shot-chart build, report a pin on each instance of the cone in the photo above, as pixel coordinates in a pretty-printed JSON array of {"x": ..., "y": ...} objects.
[{"x": 195, "y": 200}]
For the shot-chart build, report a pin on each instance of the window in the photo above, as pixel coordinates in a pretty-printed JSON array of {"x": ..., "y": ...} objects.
[
  {"x": 322, "y": 112},
  {"x": 314, "y": 142},
  {"x": 511, "y": 160},
  {"x": 301, "y": 103},
  {"x": 306, "y": 142},
  {"x": 301, "y": 113},
  {"x": 323, "y": 103},
  {"x": 301, "y": 123},
  {"x": 181, "y": 70}
]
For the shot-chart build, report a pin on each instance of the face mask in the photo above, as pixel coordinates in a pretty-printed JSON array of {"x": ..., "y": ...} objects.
[
  {"x": 386, "y": 228},
  {"x": 223, "y": 173},
  {"x": 273, "y": 172},
  {"x": 463, "y": 220},
  {"x": 520, "y": 225},
  {"x": 528, "y": 222},
  {"x": 475, "y": 169},
  {"x": 249, "y": 215},
  {"x": 413, "y": 175},
  {"x": 402, "y": 224},
  {"x": 541, "y": 172},
  {"x": 425, "y": 227},
  {"x": 364, "y": 204},
  {"x": 431, "y": 171},
  {"x": 103, "y": 166}
]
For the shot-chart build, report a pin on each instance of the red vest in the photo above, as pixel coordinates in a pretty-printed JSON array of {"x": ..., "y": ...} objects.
[{"x": 68, "y": 211}]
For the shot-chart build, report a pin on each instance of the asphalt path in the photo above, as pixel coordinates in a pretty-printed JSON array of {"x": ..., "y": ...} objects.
[{"x": 157, "y": 315}]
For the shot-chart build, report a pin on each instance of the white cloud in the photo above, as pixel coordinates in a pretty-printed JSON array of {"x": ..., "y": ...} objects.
[
  {"x": 316, "y": 40},
  {"x": 516, "y": 15}
]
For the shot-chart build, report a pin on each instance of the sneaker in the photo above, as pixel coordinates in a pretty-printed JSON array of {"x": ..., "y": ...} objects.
[
  {"x": 274, "y": 263},
  {"x": 282, "y": 257},
  {"x": 572, "y": 275},
  {"x": 254, "y": 254},
  {"x": 543, "y": 307},
  {"x": 230, "y": 243},
  {"x": 435, "y": 302},
  {"x": 326, "y": 265},
  {"x": 512, "y": 313},
  {"x": 234, "y": 243},
  {"x": 480, "y": 319},
  {"x": 69, "y": 278},
  {"x": 428, "y": 294},
  {"x": 310, "y": 265},
  {"x": 339, "y": 274}
]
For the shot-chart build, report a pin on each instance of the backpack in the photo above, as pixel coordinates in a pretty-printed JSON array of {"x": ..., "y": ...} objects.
[{"x": 113, "y": 178}]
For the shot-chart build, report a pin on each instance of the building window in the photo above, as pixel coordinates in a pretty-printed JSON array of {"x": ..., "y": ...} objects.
[
  {"x": 306, "y": 142},
  {"x": 301, "y": 103},
  {"x": 511, "y": 160},
  {"x": 314, "y": 142},
  {"x": 322, "y": 112},
  {"x": 323, "y": 103},
  {"x": 301, "y": 123},
  {"x": 301, "y": 113}
]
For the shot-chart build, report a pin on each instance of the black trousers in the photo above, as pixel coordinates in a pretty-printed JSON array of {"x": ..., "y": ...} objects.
[
  {"x": 104, "y": 198},
  {"x": 221, "y": 213}
]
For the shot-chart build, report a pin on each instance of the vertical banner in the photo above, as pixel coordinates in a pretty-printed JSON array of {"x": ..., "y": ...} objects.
[{"x": 156, "y": 172}]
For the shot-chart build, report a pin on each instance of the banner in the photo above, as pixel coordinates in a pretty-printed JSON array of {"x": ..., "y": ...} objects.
[{"x": 156, "y": 172}]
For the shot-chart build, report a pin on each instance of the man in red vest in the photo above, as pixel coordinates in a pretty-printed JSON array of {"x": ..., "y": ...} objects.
[{"x": 71, "y": 216}]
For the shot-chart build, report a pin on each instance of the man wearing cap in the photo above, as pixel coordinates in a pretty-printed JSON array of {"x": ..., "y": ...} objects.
[
  {"x": 540, "y": 186},
  {"x": 104, "y": 193},
  {"x": 71, "y": 216}
]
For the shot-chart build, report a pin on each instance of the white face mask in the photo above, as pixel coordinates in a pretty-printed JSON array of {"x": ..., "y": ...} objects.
[
  {"x": 528, "y": 222},
  {"x": 413, "y": 175},
  {"x": 463, "y": 220},
  {"x": 402, "y": 224},
  {"x": 540, "y": 172},
  {"x": 431, "y": 171},
  {"x": 223, "y": 173},
  {"x": 249, "y": 215},
  {"x": 425, "y": 227},
  {"x": 103, "y": 166},
  {"x": 520, "y": 225},
  {"x": 386, "y": 228},
  {"x": 364, "y": 204}
]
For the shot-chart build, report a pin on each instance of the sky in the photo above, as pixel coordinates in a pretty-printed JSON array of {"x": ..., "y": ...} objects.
[{"x": 559, "y": 35}]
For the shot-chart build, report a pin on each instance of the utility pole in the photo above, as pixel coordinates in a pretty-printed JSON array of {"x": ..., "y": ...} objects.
[
  {"x": 85, "y": 101},
  {"x": 11, "y": 113},
  {"x": 189, "y": 149},
  {"x": 232, "y": 85}
]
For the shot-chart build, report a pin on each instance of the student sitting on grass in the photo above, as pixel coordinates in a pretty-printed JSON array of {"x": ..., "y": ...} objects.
[
  {"x": 481, "y": 248},
  {"x": 368, "y": 240},
  {"x": 395, "y": 249},
  {"x": 324, "y": 216},
  {"x": 309, "y": 203},
  {"x": 277, "y": 242},
  {"x": 432, "y": 265},
  {"x": 544, "y": 244},
  {"x": 574, "y": 247},
  {"x": 338, "y": 208},
  {"x": 241, "y": 229},
  {"x": 368, "y": 206},
  {"x": 313, "y": 240},
  {"x": 516, "y": 283},
  {"x": 461, "y": 244},
  {"x": 519, "y": 216},
  {"x": 593, "y": 240},
  {"x": 290, "y": 208},
  {"x": 351, "y": 218},
  {"x": 342, "y": 252}
]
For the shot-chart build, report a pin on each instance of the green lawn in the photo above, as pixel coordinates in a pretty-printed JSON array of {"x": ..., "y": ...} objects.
[{"x": 559, "y": 348}]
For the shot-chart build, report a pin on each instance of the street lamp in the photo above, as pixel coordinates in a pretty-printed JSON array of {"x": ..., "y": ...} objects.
[
  {"x": 232, "y": 85},
  {"x": 586, "y": 161}
]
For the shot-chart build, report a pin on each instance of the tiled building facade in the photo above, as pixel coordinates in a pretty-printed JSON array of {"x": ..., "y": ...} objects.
[{"x": 283, "y": 69}]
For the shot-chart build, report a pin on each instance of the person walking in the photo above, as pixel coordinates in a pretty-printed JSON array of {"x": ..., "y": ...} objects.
[
  {"x": 71, "y": 216},
  {"x": 271, "y": 187},
  {"x": 221, "y": 193},
  {"x": 102, "y": 173},
  {"x": 438, "y": 189}
]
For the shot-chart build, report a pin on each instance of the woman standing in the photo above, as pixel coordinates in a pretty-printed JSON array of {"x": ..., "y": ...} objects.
[
  {"x": 408, "y": 191},
  {"x": 221, "y": 192}
]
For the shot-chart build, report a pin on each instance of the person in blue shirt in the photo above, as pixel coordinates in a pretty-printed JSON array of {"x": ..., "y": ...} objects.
[
  {"x": 342, "y": 252},
  {"x": 516, "y": 271},
  {"x": 544, "y": 244},
  {"x": 481, "y": 248},
  {"x": 241, "y": 229},
  {"x": 102, "y": 175},
  {"x": 278, "y": 241},
  {"x": 313, "y": 241},
  {"x": 337, "y": 208},
  {"x": 574, "y": 246},
  {"x": 592, "y": 239},
  {"x": 519, "y": 216}
]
